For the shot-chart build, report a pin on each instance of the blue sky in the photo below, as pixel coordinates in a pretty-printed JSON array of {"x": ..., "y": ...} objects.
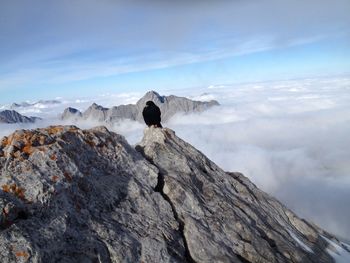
[{"x": 83, "y": 48}]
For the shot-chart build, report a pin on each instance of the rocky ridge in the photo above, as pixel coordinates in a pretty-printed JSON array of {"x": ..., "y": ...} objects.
[
  {"x": 39, "y": 104},
  {"x": 72, "y": 195},
  {"x": 11, "y": 116},
  {"x": 169, "y": 106}
]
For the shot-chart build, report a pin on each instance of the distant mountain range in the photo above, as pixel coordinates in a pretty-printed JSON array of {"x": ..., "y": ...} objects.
[
  {"x": 169, "y": 106},
  {"x": 11, "y": 116},
  {"x": 38, "y": 103}
]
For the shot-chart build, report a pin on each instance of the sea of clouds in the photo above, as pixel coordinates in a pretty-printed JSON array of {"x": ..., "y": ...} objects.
[{"x": 291, "y": 138}]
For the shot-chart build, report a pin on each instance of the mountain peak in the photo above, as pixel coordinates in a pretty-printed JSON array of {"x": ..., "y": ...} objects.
[
  {"x": 224, "y": 212},
  {"x": 151, "y": 95},
  {"x": 96, "y": 106},
  {"x": 87, "y": 195},
  {"x": 71, "y": 113},
  {"x": 169, "y": 106},
  {"x": 152, "y": 92},
  {"x": 12, "y": 116}
]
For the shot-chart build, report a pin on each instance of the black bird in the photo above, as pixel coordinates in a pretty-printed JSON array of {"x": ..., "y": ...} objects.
[{"x": 151, "y": 114}]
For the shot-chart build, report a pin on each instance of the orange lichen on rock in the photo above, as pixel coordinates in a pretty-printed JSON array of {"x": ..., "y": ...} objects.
[
  {"x": 28, "y": 149},
  {"x": 54, "y": 178},
  {"x": 53, "y": 157},
  {"x": 15, "y": 190},
  {"x": 67, "y": 176},
  {"x": 54, "y": 129},
  {"x": 7, "y": 141},
  {"x": 73, "y": 129},
  {"x": 4, "y": 142},
  {"x": 6, "y": 188},
  {"x": 22, "y": 254},
  {"x": 18, "y": 191},
  {"x": 22, "y": 140},
  {"x": 91, "y": 143}
]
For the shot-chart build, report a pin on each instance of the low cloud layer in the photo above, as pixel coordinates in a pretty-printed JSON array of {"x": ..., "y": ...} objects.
[{"x": 290, "y": 138}]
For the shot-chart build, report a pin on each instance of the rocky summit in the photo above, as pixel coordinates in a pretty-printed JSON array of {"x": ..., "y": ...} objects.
[
  {"x": 72, "y": 195},
  {"x": 11, "y": 116},
  {"x": 169, "y": 106}
]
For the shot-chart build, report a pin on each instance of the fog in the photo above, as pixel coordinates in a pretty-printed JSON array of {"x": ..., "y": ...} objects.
[{"x": 291, "y": 138}]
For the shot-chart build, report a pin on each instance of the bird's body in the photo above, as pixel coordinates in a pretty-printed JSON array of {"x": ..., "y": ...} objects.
[{"x": 151, "y": 114}]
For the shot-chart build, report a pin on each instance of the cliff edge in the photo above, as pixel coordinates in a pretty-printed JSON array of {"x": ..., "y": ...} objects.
[{"x": 72, "y": 195}]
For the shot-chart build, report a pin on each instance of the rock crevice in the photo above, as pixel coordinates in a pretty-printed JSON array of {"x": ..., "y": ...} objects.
[{"x": 160, "y": 188}]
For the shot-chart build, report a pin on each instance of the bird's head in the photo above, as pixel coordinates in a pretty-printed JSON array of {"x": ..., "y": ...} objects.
[{"x": 150, "y": 103}]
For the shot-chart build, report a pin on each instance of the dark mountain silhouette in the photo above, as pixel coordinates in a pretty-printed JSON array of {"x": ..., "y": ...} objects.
[{"x": 11, "y": 116}]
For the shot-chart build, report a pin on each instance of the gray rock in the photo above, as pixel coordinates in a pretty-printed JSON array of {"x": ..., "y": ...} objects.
[
  {"x": 82, "y": 196},
  {"x": 95, "y": 112},
  {"x": 72, "y": 195},
  {"x": 11, "y": 116},
  {"x": 224, "y": 217},
  {"x": 71, "y": 114},
  {"x": 169, "y": 106}
]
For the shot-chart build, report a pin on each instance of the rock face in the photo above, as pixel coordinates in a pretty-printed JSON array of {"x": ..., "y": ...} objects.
[
  {"x": 71, "y": 195},
  {"x": 71, "y": 113},
  {"x": 223, "y": 216},
  {"x": 169, "y": 106},
  {"x": 82, "y": 196},
  {"x": 11, "y": 116}
]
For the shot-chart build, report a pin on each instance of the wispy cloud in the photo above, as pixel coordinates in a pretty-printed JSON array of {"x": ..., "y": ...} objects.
[
  {"x": 71, "y": 41},
  {"x": 60, "y": 70}
]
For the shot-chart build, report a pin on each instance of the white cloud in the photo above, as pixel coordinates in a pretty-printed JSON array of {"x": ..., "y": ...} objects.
[{"x": 290, "y": 138}]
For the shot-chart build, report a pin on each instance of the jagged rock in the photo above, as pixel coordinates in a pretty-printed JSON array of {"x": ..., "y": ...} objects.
[
  {"x": 71, "y": 195},
  {"x": 71, "y": 114},
  {"x": 223, "y": 216},
  {"x": 82, "y": 196},
  {"x": 95, "y": 112},
  {"x": 11, "y": 116},
  {"x": 169, "y": 106}
]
